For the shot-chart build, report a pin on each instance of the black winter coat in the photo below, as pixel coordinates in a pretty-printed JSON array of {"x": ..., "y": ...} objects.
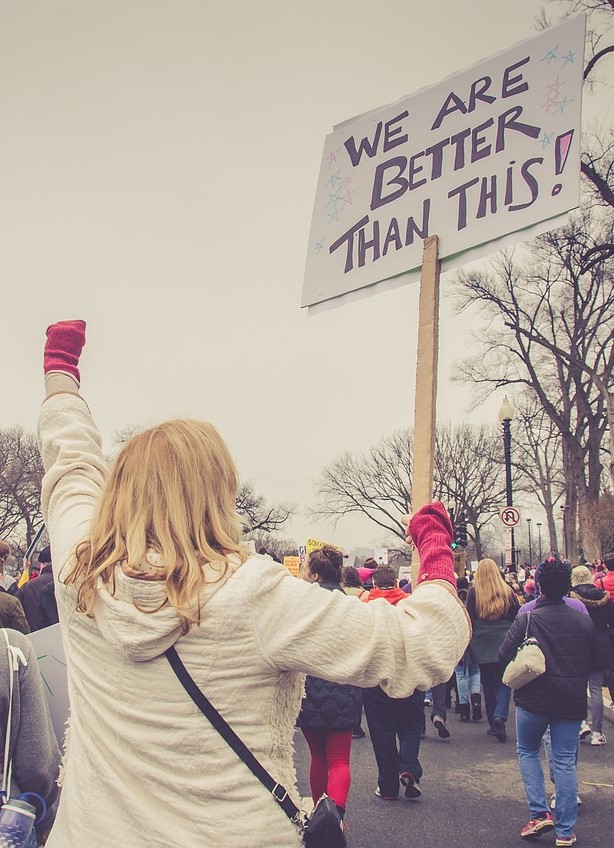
[
  {"x": 601, "y": 611},
  {"x": 567, "y": 638},
  {"x": 328, "y": 705}
]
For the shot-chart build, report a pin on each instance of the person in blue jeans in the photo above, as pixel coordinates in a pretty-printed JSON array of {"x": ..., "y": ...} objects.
[
  {"x": 492, "y": 607},
  {"x": 557, "y": 700}
]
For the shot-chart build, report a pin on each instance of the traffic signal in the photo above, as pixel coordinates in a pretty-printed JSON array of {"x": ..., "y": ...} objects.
[{"x": 462, "y": 532}]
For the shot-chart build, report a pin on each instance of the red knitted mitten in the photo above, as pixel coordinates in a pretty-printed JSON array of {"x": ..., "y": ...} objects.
[
  {"x": 65, "y": 341},
  {"x": 432, "y": 533}
]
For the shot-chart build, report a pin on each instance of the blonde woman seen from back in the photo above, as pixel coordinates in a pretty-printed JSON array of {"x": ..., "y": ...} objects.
[
  {"x": 148, "y": 556},
  {"x": 492, "y": 607}
]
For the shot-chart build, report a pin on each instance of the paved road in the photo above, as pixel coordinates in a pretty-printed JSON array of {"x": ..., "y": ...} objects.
[{"x": 472, "y": 794}]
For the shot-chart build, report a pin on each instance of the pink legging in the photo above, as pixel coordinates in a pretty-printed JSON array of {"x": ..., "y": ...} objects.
[{"x": 330, "y": 763}]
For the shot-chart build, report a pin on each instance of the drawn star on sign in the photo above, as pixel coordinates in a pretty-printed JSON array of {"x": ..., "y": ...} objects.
[
  {"x": 334, "y": 199},
  {"x": 347, "y": 198},
  {"x": 334, "y": 215},
  {"x": 568, "y": 58},
  {"x": 551, "y": 55},
  {"x": 550, "y": 102},
  {"x": 547, "y": 139},
  {"x": 563, "y": 103},
  {"x": 319, "y": 246},
  {"x": 555, "y": 87},
  {"x": 334, "y": 178}
]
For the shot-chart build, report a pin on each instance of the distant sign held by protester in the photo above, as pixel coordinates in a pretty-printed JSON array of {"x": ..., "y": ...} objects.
[{"x": 487, "y": 153}]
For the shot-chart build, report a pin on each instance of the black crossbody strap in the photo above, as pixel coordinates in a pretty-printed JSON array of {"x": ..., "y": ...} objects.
[
  {"x": 227, "y": 733},
  {"x": 526, "y": 632}
]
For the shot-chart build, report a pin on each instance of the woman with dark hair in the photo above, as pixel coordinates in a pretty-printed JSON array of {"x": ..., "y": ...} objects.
[
  {"x": 556, "y": 701},
  {"x": 351, "y": 583},
  {"x": 330, "y": 711}
]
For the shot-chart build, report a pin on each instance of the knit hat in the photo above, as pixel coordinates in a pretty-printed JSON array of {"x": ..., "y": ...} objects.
[
  {"x": 581, "y": 574},
  {"x": 45, "y": 555},
  {"x": 529, "y": 585}
]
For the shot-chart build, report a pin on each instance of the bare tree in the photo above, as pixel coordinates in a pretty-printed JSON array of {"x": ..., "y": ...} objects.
[
  {"x": 377, "y": 483},
  {"x": 537, "y": 451},
  {"x": 257, "y": 513},
  {"x": 275, "y": 546},
  {"x": 549, "y": 326},
  {"x": 469, "y": 471},
  {"x": 21, "y": 474}
]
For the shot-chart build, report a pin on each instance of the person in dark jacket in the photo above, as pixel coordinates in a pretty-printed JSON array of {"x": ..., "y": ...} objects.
[
  {"x": 30, "y": 592},
  {"x": 48, "y": 607},
  {"x": 11, "y": 613},
  {"x": 601, "y": 611},
  {"x": 329, "y": 711},
  {"x": 556, "y": 700},
  {"x": 389, "y": 718}
]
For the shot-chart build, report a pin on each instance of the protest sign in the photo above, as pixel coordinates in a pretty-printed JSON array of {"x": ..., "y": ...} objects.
[
  {"x": 52, "y": 663},
  {"x": 486, "y": 158},
  {"x": 314, "y": 545},
  {"x": 292, "y": 563}
]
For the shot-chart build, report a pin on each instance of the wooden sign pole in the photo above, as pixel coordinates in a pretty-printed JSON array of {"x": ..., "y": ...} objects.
[{"x": 426, "y": 386}]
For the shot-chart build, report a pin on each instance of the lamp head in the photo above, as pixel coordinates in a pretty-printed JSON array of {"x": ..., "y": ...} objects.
[{"x": 506, "y": 413}]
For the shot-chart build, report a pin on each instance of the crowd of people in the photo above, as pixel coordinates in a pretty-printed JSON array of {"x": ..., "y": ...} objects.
[{"x": 149, "y": 556}]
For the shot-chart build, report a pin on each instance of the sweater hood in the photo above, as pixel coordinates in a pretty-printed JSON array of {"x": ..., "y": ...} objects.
[
  {"x": 393, "y": 596},
  {"x": 137, "y": 618},
  {"x": 590, "y": 595}
]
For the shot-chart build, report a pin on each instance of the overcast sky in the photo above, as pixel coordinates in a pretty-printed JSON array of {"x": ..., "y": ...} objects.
[{"x": 160, "y": 161}]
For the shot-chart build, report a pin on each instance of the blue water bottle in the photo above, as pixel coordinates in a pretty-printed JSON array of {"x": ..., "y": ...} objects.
[{"x": 16, "y": 822}]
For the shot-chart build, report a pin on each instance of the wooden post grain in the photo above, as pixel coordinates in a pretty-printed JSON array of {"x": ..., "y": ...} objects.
[{"x": 425, "y": 413}]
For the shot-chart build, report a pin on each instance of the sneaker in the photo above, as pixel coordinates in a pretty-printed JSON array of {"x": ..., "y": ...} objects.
[
  {"x": 498, "y": 725},
  {"x": 553, "y": 801},
  {"x": 563, "y": 841},
  {"x": 537, "y": 826},
  {"x": 411, "y": 786},
  {"x": 378, "y": 794},
  {"x": 358, "y": 734},
  {"x": 585, "y": 730},
  {"x": 440, "y": 724},
  {"x": 598, "y": 739},
  {"x": 428, "y": 702}
]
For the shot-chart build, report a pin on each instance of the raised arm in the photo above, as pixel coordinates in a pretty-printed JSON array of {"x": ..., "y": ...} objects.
[{"x": 75, "y": 468}]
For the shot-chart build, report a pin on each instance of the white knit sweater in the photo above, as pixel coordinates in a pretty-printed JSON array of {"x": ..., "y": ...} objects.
[{"x": 144, "y": 767}]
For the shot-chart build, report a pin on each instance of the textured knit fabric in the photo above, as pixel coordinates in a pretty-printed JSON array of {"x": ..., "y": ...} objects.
[
  {"x": 567, "y": 638},
  {"x": 63, "y": 347},
  {"x": 34, "y": 748},
  {"x": 432, "y": 533},
  {"x": 144, "y": 767}
]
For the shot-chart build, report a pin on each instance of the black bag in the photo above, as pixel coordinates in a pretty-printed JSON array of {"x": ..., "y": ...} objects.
[{"x": 323, "y": 828}]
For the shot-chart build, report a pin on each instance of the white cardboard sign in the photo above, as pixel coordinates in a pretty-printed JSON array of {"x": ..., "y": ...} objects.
[
  {"x": 52, "y": 663},
  {"x": 487, "y": 153}
]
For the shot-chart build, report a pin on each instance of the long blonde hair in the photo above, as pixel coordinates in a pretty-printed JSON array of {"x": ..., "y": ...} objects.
[
  {"x": 173, "y": 489},
  {"x": 493, "y": 597}
]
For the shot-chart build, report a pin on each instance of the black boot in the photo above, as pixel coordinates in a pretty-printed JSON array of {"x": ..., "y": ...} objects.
[
  {"x": 465, "y": 711},
  {"x": 476, "y": 706}
]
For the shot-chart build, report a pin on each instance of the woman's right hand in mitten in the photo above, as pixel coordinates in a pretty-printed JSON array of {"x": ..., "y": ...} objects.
[{"x": 65, "y": 341}]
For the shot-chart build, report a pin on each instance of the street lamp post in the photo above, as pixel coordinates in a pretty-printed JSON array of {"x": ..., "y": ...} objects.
[
  {"x": 530, "y": 544},
  {"x": 539, "y": 538},
  {"x": 506, "y": 413}
]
